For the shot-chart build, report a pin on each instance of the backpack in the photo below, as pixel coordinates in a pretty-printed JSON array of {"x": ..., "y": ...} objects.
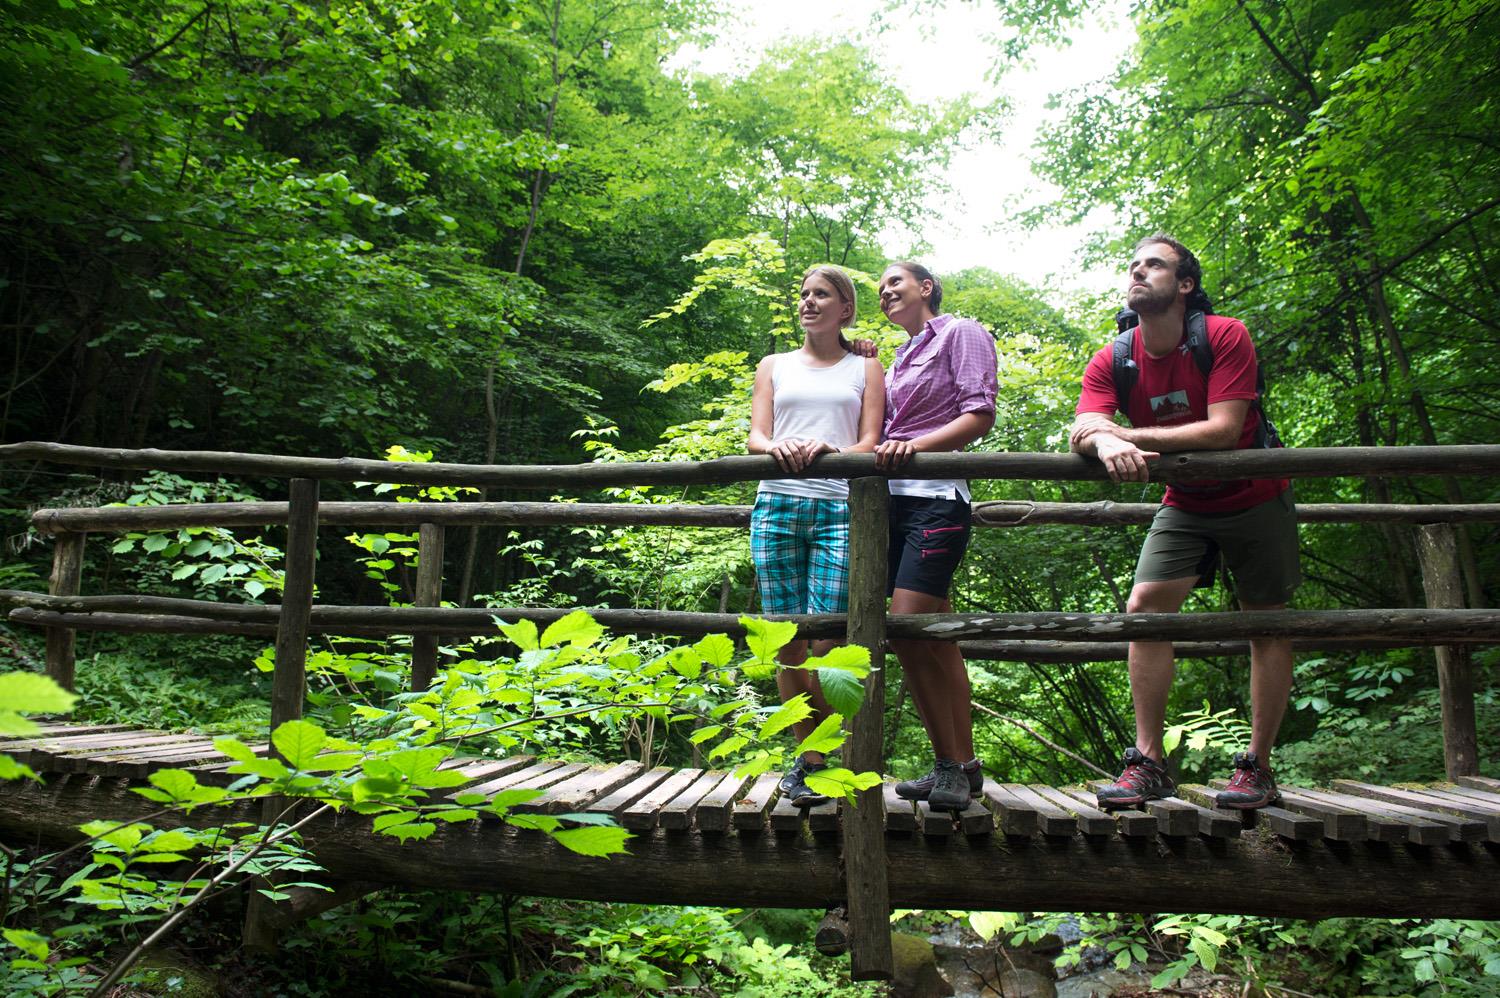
[{"x": 1126, "y": 372}]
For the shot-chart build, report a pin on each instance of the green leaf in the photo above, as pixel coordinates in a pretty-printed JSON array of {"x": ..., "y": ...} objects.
[
  {"x": 299, "y": 742},
  {"x": 522, "y": 633},
  {"x": 31, "y": 693},
  {"x": 765, "y": 638},
  {"x": 577, "y": 628},
  {"x": 234, "y": 748},
  {"x": 704, "y": 734},
  {"x": 10, "y": 769},
  {"x": 155, "y": 542},
  {"x": 838, "y": 782},
  {"x": 716, "y": 650},
  {"x": 798, "y": 708},
  {"x": 415, "y": 830},
  {"x": 854, "y": 659},
  {"x": 728, "y": 745},
  {"x": 826, "y": 737},
  {"x": 685, "y": 662},
  {"x": 593, "y": 840},
  {"x": 843, "y": 691}
]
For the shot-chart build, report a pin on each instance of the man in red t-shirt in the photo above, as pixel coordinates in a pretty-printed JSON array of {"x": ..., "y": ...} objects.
[{"x": 1173, "y": 407}]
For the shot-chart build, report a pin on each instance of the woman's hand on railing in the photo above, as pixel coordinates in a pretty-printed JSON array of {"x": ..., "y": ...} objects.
[
  {"x": 892, "y": 454},
  {"x": 793, "y": 456}
]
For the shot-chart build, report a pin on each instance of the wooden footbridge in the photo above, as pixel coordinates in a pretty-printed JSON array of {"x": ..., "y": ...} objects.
[{"x": 708, "y": 837}]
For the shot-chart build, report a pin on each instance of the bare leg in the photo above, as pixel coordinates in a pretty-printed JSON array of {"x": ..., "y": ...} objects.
[
  {"x": 938, "y": 680},
  {"x": 791, "y": 681},
  {"x": 1151, "y": 666},
  {"x": 1270, "y": 686}
]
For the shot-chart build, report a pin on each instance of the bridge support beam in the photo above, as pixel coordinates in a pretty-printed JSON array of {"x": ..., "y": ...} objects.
[
  {"x": 429, "y": 593},
  {"x": 289, "y": 680},
  {"x": 1437, "y": 548},
  {"x": 865, "y": 871},
  {"x": 67, "y": 575}
]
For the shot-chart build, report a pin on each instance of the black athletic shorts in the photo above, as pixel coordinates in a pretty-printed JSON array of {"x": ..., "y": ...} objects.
[{"x": 928, "y": 540}]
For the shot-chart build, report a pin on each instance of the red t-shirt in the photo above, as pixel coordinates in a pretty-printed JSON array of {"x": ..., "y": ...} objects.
[{"x": 1171, "y": 391}]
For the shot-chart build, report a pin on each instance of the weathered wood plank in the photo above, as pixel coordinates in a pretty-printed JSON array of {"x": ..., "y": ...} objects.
[
  {"x": 1213, "y": 821},
  {"x": 1462, "y": 827},
  {"x": 677, "y": 813},
  {"x": 750, "y": 810},
  {"x": 1130, "y": 823},
  {"x": 825, "y": 817},
  {"x": 1479, "y": 783},
  {"x": 641, "y": 814},
  {"x": 631, "y": 792},
  {"x": 787, "y": 817},
  {"x": 1297, "y": 827},
  {"x": 576, "y": 792},
  {"x": 900, "y": 815},
  {"x": 1173, "y": 816},
  {"x": 514, "y": 778},
  {"x": 1339, "y": 823},
  {"x": 1091, "y": 820},
  {"x": 1051, "y": 819},
  {"x": 934, "y": 821},
  {"x": 976, "y": 819},
  {"x": 717, "y": 805},
  {"x": 1017, "y": 817},
  {"x": 1383, "y": 823}
]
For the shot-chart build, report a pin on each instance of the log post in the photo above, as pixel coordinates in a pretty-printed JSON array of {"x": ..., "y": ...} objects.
[
  {"x": 429, "y": 593},
  {"x": 865, "y": 873},
  {"x": 1437, "y": 549},
  {"x": 67, "y": 574},
  {"x": 289, "y": 680}
]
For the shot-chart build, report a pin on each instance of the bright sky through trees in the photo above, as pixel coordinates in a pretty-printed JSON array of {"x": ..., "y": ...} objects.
[{"x": 952, "y": 53}]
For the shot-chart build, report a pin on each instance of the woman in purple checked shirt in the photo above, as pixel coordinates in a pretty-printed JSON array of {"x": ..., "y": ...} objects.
[{"x": 940, "y": 396}]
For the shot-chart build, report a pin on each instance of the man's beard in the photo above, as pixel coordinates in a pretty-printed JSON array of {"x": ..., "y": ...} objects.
[{"x": 1149, "y": 301}]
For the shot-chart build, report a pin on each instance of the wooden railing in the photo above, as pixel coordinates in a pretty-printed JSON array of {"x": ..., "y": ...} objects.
[{"x": 1043, "y": 636}]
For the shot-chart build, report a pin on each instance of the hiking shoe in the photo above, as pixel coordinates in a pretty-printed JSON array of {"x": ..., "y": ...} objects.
[
  {"x": 794, "y": 786},
  {"x": 919, "y": 788},
  {"x": 950, "y": 786},
  {"x": 1143, "y": 779},
  {"x": 1251, "y": 786}
]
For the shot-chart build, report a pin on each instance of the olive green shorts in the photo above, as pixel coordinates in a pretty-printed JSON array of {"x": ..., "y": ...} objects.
[{"x": 1259, "y": 544}]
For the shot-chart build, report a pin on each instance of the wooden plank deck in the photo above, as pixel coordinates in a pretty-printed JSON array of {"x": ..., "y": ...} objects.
[{"x": 718, "y": 822}]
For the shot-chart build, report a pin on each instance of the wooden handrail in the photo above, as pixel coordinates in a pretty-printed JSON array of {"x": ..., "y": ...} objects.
[
  {"x": 1304, "y": 462},
  {"x": 997, "y": 513}
]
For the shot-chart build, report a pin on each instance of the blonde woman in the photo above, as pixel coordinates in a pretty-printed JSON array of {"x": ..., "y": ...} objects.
[{"x": 818, "y": 399}]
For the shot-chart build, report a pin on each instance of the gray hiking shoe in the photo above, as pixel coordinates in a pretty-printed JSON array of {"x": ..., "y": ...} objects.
[
  {"x": 919, "y": 788},
  {"x": 950, "y": 786}
]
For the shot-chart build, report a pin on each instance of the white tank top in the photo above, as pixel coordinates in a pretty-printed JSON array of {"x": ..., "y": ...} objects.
[{"x": 815, "y": 403}]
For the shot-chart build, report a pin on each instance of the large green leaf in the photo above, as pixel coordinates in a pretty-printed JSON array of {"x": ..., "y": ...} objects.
[
  {"x": 593, "y": 840},
  {"x": 765, "y": 638},
  {"x": 826, "y": 737},
  {"x": 299, "y": 742},
  {"x": 854, "y": 659},
  {"x": 577, "y": 628},
  {"x": 796, "y": 709},
  {"x": 842, "y": 690},
  {"x": 31, "y": 693}
]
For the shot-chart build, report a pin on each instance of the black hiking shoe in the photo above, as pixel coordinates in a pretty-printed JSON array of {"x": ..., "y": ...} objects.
[
  {"x": 950, "y": 786},
  {"x": 794, "y": 786},
  {"x": 919, "y": 788},
  {"x": 1143, "y": 779},
  {"x": 1251, "y": 786}
]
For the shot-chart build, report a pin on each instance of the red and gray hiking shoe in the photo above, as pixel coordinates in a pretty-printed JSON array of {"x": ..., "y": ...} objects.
[
  {"x": 1251, "y": 786},
  {"x": 1143, "y": 779}
]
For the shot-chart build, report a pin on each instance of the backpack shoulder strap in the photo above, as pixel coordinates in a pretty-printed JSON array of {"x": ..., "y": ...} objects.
[
  {"x": 1124, "y": 368},
  {"x": 1197, "y": 342}
]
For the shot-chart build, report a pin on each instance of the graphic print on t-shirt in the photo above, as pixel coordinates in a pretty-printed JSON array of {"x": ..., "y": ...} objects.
[{"x": 1172, "y": 407}]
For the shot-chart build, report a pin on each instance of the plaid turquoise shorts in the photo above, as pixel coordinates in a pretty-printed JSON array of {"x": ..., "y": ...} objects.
[{"x": 801, "y": 551}]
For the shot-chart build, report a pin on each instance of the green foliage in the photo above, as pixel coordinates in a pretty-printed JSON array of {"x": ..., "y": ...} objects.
[{"x": 24, "y": 693}]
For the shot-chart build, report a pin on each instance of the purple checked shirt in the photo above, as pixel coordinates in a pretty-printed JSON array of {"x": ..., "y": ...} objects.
[{"x": 944, "y": 371}]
